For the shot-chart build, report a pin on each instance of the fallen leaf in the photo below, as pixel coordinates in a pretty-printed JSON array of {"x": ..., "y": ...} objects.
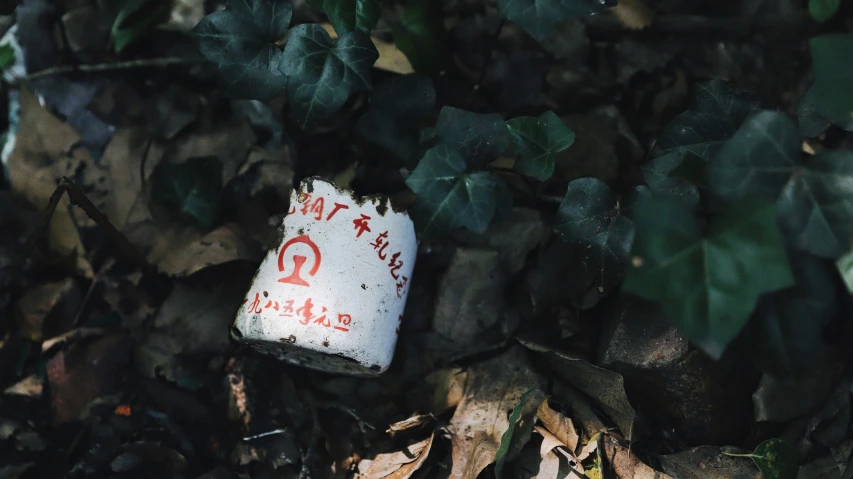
[
  {"x": 75, "y": 334},
  {"x": 481, "y": 418},
  {"x": 708, "y": 462},
  {"x": 401, "y": 464},
  {"x": 442, "y": 390},
  {"x": 36, "y": 303},
  {"x": 415, "y": 421},
  {"x": 391, "y": 59},
  {"x": 31, "y": 386},
  {"x": 775, "y": 458},
  {"x": 222, "y": 245},
  {"x": 555, "y": 458},
  {"x": 559, "y": 425}
]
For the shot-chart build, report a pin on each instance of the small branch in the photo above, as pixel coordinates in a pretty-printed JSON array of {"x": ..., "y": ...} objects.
[
  {"x": 265, "y": 434},
  {"x": 102, "y": 67}
]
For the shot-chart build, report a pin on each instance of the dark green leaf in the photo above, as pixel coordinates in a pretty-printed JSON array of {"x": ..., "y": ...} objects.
[
  {"x": 845, "y": 268},
  {"x": 506, "y": 438},
  {"x": 785, "y": 330},
  {"x": 693, "y": 170},
  {"x": 137, "y": 17},
  {"x": 7, "y": 56},
  {"x": 718, "y": 110},
  {"x": 823, "y": 10},
  {"x": 757, "y": 161},
  {"x": 241, "y": 42},
  {"x": 190, "y": 189},
  {"x": 535, "y": 140},
  {"x": 479, "y": 138},
  {"x": 350, "y": 15},
  {"x": 590, "y": 218},
  {"x": 539, "y": 17},
  {"x": 322, "y": 74},
  {"x": 814, "y": 199},
  {"x": 420, "y": 36},
  {"x": 833, "y": 75},
  {"x": 775, "y": 458},
  {"x": 816, "y": 206},
  {"x": 708, "y": 285},
  {"x": 396, "y": 107},
  {"x": 447, "y": 197},
  {"x": 812, "y": 123},
  {"x": 661, "y": 183}
]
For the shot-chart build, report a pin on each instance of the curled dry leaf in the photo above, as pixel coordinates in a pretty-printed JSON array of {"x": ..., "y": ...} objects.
[
  {"x": 36, "y": 303},
  {"x": 414, "y": 421},
  {"x": 442, "y": 390},
  {"x": 31, "y": 386},
  {"x": 556, "y": 461},
  {"x": 481, "y": 418},
  {"x": 391, "y": 59},
  {"x": 624, "y": 463},
  {"x": 559, "y": 425},
  {"x": 398, "y": 465}
]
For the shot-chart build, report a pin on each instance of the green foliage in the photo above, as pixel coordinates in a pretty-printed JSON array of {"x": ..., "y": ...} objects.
[
  {"x": 7, "y": 56},
  {"x": 479, "y": 138},
  {"x": 322, "y": 73},
  {"x": 506, "y": 438},
  {"x": 539, "y": 17},
  {"x": 135, "y": 18},
  {"x": 657, "y": 174},
  {"x": 349, "y": 15},
  {"x": 775, "y": 458},
  {"x": 420, "y": 36},
  {"x": 396, "y": 107},
  {"x": 192, "y": 190},
  {"x": 718, "y": 110},
  {"x": 833, "y": 74},
  {"x": 708, "y": 283},
  {"x": 241, "y": 42},
  {"x": 823, "y": 10},
  {"x": 448, "y": 197},
  {"x": 536, "y": 140},
  {"x": 812, "y": 123},
  {"x": 590, "y": 217},
  {"x": 844, "y": 265}
]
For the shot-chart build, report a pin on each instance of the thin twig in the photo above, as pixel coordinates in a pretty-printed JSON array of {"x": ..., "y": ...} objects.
[
  {"x": 108, "y": 264},
  {"x": 102, "y": 67},
  {"x": 265, "y": 434}
]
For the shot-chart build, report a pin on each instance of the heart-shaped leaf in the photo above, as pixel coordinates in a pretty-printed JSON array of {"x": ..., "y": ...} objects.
[
  {"x": 590, "y": 218},
  {"x": 192, "y": 189},
  {"x": 421, "y": 37},
  {"x": 479, "y": 138},
  {"x": 396, "y": 107},
  {"x": 823, "y": 10},
  {"x": 322, "y": 73},
  {"x": 718, "y": 110},
  {"x": 535, "y": 140},
  {"x": 447, "y": 197},
  {"x": 135, "y": 18},
  {"x": 812, "y": 122},
  {"x": 707, "y": 284},
  {"x": 349, "y": 15},
  {"x": 833, "y": 75},
  {"x": 814, "y": 198},
  {"x": 658, "y": 176},
  {"x": 241, "y": 42},
  {"x": 539, "y": 17},
  {"x": 775, "y": 458}
]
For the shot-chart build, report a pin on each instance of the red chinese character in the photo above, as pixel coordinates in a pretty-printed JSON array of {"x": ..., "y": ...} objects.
[
  {"x": 292, "y": 210},
  {"x": 255, "y": 307},
  {"x": 287, "y": 308},
  {"x": 381, "y": 244},
  {"x": 306, "y": 205},
  {"x": 395, "y": 265},
  {"x": 361, "y": 225},
  {"x": 322, "y": 320},
  {"x": 344, "y": 319},
  {"x": 401, "y": 287},
  {"x": 337, "y": 207},
  {"x": 305, "y": 312},
  {"x": 270, "y": 303},
  {"x": 318, "y": 208}
]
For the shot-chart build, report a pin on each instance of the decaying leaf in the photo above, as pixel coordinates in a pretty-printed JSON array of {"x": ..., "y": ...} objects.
[
  {"x": 398, "y": 465},
  {"x": 36, "y": 303},
  {"x": 708, "y": 462},
  {"x": 559, "y": 425},
  {"x": 222, "y": 245}
]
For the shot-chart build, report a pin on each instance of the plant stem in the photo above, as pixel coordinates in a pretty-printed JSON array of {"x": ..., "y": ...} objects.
[{"x": 101, "y": 67}]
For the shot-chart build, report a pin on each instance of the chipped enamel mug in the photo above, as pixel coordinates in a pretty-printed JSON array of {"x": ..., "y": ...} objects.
[{"x": 331, "y": 295}]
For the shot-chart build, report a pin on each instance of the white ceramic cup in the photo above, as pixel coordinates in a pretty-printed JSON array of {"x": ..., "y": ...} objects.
[{"x": 331, "y": 295}]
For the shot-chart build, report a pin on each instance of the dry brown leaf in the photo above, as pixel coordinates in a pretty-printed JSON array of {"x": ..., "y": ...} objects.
[
  {"x": 391, "y": 59},
  {"x": 224, "y": 244},
  {"x": 582, "y": 411},
  {"x": 31, "y": 386},
  {"x": 414, "y": 421},
  {"x": 36, "y": 303},
  {"x": 493, "y": 388},
  {"x": 559, "y": 425},
  {"x": 708, "y": 462},
  {"x": 634, "y": 14},
  {"x": 398, "y": 465},
  {"x": 624, "y": 463},
  {"x": 447, "y": 387},
  {"x": 71, "y": 336}
]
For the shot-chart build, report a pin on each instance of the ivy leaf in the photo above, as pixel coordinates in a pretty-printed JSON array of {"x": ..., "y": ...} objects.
[
  {"x": 7, "y": 56},
  {"x": 590, "y": 217},
  {"x": 480, "y": 138},
  {"x": 708, "y": 284},
  {"x": 833, "y": 75},
  {"x": 349, "y": 15},
  {"x": 845, "y": 268},
  {"x": 447, "y": 197},
  {"x": 506, "y": 438},
  {"x": 137, "y": 17},
  {"x": 241, "y": 42},
  {"x": 535, "y": 140},
  {"x": 421, "y": 37},
  {"x": 539, "y": 17},
  {"x": 192, "y": 189},
  {"x": 812, "y": 123},
  {"x": 785, "y": 330},
  {"x": 718, "y": 110},
  {"x": 823, "y": 10},
  {"x": 396, "y": 107},
  {"x": 814, "y": 198},
  {"x": 775, "y": 458},
  {"x": 322, "y": 73},
  {"x": 657, "y": 174}
]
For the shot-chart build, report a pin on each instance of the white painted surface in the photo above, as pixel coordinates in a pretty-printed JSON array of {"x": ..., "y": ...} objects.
[{"x": 350, "y": 265}]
